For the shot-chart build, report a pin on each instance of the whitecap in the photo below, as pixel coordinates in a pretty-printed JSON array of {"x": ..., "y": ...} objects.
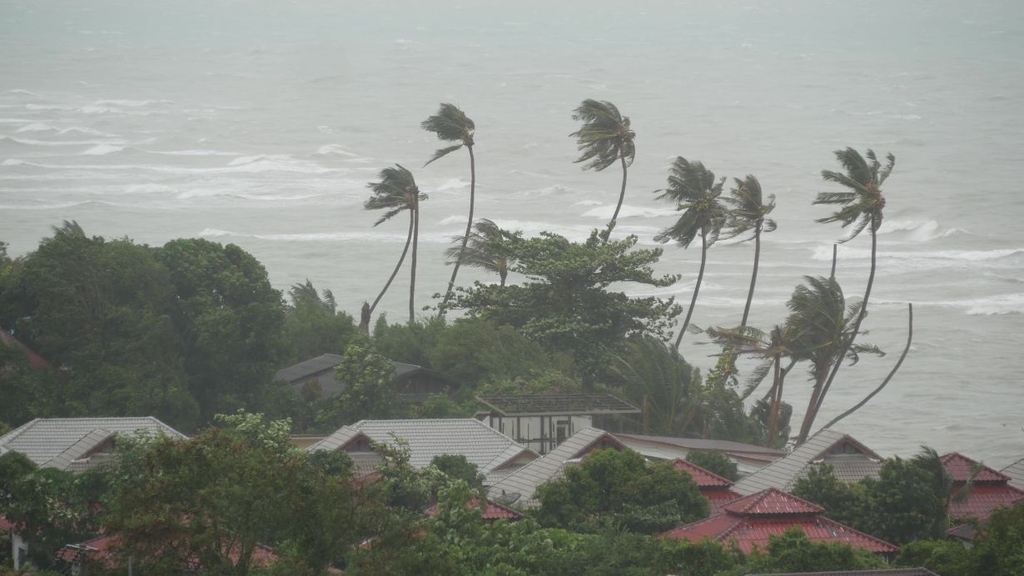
[
  {"x": 15, "y": 121},
  {"x": 996, "y": 305},
  {"x": 13, "y": 162},
  {"x": 42, "y": 107},
  {"x": 627, "y": 211},
  {"x": 30, "y": 142},
  {"x": 920, "y": 230},
  {"x": 824, "y": 253},
  {"x": 147, "y": 188},
  {"x": 335, "y": 149},
  {"x": 194, "y": 153},
  {"x": 208, "y": 232},
  {"x": 102, "y": 150},
  {"x": 132, "y": 103},
  {"x": 447, "y": 185},
  {"x": 22, "y": 91},
  {"x": 37, "y": 127}
]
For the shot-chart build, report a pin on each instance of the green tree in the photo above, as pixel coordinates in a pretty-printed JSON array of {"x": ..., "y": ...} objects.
[
  {"x": 860, "y": 206},
  {"x": 230, "y": 320},
  {"x": 368, "y": 378},
  {"x": 456, "y": 467},
  {"x": 566, "y": 304},
  {"x": 748, "y": 213},
  {"x": 660, "y": 382},
  {"x": 946, "y": 557},
  {"x": 604, "y": 138},
  {"x": 697, "y": 194},
  {"x": 313, "y": 325},
  {"x": 1000, "y": 549},
  {"x": 845, "y": 503},
  {"x": 451, "y": 124},
  {"x": 396, "y": 193},
  {"x": 715, "y": 462},
  {"x": 793, "y": 552},
  {"x": 607, "y": 484},
  {"x": 487, "y": 247}
]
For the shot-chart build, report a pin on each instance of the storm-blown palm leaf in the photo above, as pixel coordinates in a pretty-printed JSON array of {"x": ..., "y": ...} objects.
[
  {"x": 450, "y": 124},
  {"x": 861, "y": 206},
  {"x": 697, "y": 194},
  {"x": 395, "y": 193},
  {"x": 488, "y": 247},
  {"x": 748, "y": 209},
  {"x": 605, "y": 136}
]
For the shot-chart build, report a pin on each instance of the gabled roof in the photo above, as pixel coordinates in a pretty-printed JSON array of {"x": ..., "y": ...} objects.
[
  {"x": 525, "y": 481},
  {"x": 750, "y": 522},
  {"x": 851, "y": 460},
  {"x": 45, "y": 439},
  {"x": 557, "y": 404},
  {"x": 989, "y": 489},
  {"x": 493, "y": 511},
  {"x": 1016, "y": 473},
  {"x": 427, "y": 438},
  {"x": 704, "y": 478},
  {"x": 962, "y": 469},
  {"x": 307, "y": 368},
  {"x": 748, "y": 458}
]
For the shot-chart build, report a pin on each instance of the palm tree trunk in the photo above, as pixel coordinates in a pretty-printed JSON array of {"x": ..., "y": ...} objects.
[
  {"x": 753, "y": 276},
  {"x": 415, "y": 240},
  {"x": 465, "y": 239},
  {"x": 776, "y": 399},
  {"x": 812, "y": 411},
  {"x": 394, "y": 273},
  {"x": 622, "y": 196},
  {"x": 696, "y": 289}
]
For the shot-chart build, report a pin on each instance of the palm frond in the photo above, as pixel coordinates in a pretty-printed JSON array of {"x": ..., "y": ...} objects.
[
  {"x": 441, "y": 153},
  {"x": 605, "y": 136},
  {"x": 451, "y": 125}
]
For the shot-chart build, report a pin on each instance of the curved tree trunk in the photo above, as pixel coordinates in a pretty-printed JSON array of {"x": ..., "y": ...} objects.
[
  {"x": 408, "y": 240},
  {"x": 906, "y": 348},
  {"x": 696, "y": 289},
  {"x": 776, "y": 400},
  {"x": 622, "y": 196},
  {"x": 812, "y": 410},
  {"x": 415, "y": 241},
  {"x": 753, "y": 276},
  {"x": 465, "y": 239}
]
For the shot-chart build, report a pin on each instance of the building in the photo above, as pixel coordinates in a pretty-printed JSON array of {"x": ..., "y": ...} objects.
[
  {"x": 747, "y": 457},
  {"x": 315, "y": 378},
  {"x": 712, "y": 486},
  {"x": 988, "y": 491}
]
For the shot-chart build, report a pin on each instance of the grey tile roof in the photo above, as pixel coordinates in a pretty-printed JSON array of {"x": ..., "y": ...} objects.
[
  {"x": 309, "y": 367},
  {"x": 525, "y": 480},
  {"x": 427, "y": 438},
  {"x": 80, "y": 449},
  {"x": 44, "y": 439},
  {"x": 826, "y": 445},
  {"x": 557, "y": 404},
  {"x": 705, "y": 445},
  {"x": 1016, "y": 473}
]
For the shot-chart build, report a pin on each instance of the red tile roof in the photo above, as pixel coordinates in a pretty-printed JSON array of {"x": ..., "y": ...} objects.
[
  {"x": 704, "y": 478},
  {"x": 717, "y": 498},
  {"x": 6, "y": 525},
  {"x": 750, "y": 521},
  {"x": 984, "y": 499},
  {"x": 492, "y": 512},
  {"x": 961, "y": 468}
]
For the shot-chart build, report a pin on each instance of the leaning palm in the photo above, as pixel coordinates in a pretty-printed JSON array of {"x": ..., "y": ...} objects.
[
  {"x": 823, "y": 329},
  {"x": 487, "y": 247},
  {"x": 396, "y": 193},
  {"x": 661, "y": 383},
  {"x": 861, "y": 206},
  {"x": 452, "y": 125},
  {"x": 604, "y": 138},
  {"x": 748, "y": 212},
  {"x": 697, "y": 194}
]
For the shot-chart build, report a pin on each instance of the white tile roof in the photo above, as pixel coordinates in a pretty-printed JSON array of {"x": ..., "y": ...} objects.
[
  {"x": 525, "y": 480},
  {"x": 427, "y": 438},
  {"x": 783, "y": 473},
  {"x": 44, "y": 439}
]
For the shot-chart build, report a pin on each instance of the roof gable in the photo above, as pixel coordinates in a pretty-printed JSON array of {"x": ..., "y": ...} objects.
[
  {"x": 962, "y": 469},
  {"x": 772, "y": 502},
  {"x": 703, "y": 477},
  {"x": 44, "y": 439},
  {"x": 1016, "y": 473}
]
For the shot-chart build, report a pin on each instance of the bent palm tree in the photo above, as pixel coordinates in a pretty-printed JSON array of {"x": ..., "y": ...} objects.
[
  {"x": 696, "y": 193},
  {"x": 604, "y": 138},
  {"x": 748, "y": 213},
  {"x": 823, "y": 328},
  {"x": 862, "y": 208},
  {"x": 396, "y": 193},
  {"x": 486, "y": 247},
  {"x": 452, "y": 125}
]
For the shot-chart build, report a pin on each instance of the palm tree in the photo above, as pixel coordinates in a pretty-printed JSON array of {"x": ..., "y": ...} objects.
[
  {"x": 396, "y": 193},
  {"x": 697, "y": 195},
  {"x": 822, "y": 325},
  {"x": 748, "y": 212},
  {"x": 486, "y": 247},
  {"x": 661, "y": 382},
  {"x": 604, "y": 138},
  {"x": 861, "y": 206},
  {"x": 452, "y": 125}
]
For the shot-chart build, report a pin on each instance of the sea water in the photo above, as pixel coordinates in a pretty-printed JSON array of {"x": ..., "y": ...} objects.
[{"x": 260, "y": 123}]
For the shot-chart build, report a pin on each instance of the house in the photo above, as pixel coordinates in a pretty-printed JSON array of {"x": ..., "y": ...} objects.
[
  {"x": 492, "y": 452},
  {"x": 491, "y": 512},
  {"x": 747, "y": 457},
  {"x": 749, "y": 522},
  {"x": 989, "y": 489},
  {"x": 712, "y": 486},
  {"x": 1016, "y": 473},
  {"x": 543, "y": 421},
  {"x": 851, "y": 460},
  {"x": 315, "y": 378},
  {"x": 76, "y": 444},
  {"x": 520, "y": 486}
]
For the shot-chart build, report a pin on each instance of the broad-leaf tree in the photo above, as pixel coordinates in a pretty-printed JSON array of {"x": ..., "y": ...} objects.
[
  {"x": 748, "y": 214},
  {"x": 396, "y": 192},
  {"x": 486, "y": 246},
  {"x": 604, "y": 138},
  {"x": 452, "y": 125},
  {"x": 697, "y": 194}
]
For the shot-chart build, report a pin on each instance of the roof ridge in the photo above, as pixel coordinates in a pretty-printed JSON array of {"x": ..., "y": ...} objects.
[{"x": 13, "y": 434}]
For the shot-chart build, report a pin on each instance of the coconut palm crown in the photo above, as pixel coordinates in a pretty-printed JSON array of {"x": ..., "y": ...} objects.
[
  {"x": 748, "y": 213},
  {"x": 697, "y": 195},
  {"x": 604, "y": 138},
  {"x": 451, "y": 124},
  {"x": 861, "y": 206},
  {"x": 487, "y": 248}
]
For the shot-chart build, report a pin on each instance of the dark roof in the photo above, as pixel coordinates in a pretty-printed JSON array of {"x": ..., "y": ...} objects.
[
  {"x": 557, "y": 404},
  {"x": 750, "y": 523},
  {"x": 309, "y": 367}
]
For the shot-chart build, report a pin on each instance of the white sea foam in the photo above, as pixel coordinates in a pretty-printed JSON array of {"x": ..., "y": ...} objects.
[
  {"x": 446, "y": 186},
  {"x": 37, "y": 127},
  {"x": 147, "y": 189},
  {"x": 605, "y": 211},
  {"x": 824, "y": 253},
  {"x": 45, "y": 107},
  {"x": 22, "y": 91},
  {"x": 132, "y": 103},
  {"x": 920, "y": 230},
  {"x": 102, "y": 150},
  {"x": 31, "y": 142},
  {"x": 989, "y": 305},
  {"x": 15, "y": 121},
  {"x": 337, "y": 149},
  {"x": 194, "y": 153},
  {"x": 13, "y": 162}
]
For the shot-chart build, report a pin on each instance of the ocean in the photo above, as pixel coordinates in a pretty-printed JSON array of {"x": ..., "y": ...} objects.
[{"x": 260, "y": 123}]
